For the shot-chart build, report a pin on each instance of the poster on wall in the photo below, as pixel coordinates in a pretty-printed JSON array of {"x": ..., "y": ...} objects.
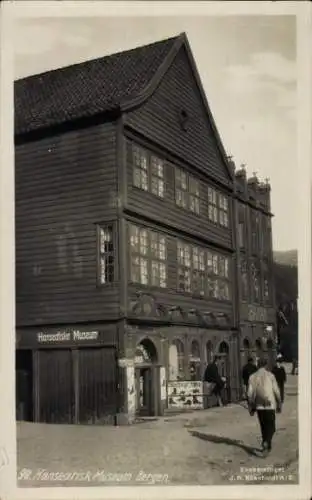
[
  {"x": 163, "y": 384},
  {"x": 186, "y": 394},
  {"x": 131, "y": 390}
]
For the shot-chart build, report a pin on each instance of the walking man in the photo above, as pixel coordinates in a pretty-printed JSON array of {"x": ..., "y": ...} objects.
[
  {"x": 280, "y": 375},
  {"x": 249, "y": 368},
  {"x": 212, "y": 376},
  {"x": 264, "y": 398}
]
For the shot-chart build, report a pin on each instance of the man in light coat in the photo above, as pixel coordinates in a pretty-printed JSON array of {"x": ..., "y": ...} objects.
[{"x": 264, "y": 398}]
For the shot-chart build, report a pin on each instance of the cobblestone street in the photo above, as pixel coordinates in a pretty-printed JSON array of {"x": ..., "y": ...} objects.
[{"x": 211, "y": 447}]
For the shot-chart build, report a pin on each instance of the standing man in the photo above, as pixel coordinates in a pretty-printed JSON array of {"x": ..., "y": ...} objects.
[
  {"x": 280, "y": 375},
  {"x": 249, "y": 368},
  {"x": 212, "y": 376},
  {"x": 264, "y": 398}
]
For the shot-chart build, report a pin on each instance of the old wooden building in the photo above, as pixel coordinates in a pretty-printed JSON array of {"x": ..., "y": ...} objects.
[
  {"x": 257, "y": 311},
  {"x": 126, "y": 263}
]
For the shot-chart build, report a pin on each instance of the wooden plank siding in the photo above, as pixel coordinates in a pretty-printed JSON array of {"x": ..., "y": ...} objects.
[
  {"x": 65, "y": 185},
  {"x": 166, "y": 211},
  {"x": 158, "y": 120},
  {"x": 170, "y": 296}
]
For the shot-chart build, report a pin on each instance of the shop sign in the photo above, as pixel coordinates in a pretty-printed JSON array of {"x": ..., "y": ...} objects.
[
  {"x": 65, "y": 336},
  {"x": 185, "y": 394}
]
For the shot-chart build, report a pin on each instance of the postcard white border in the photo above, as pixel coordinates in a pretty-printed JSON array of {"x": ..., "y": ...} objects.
[{"x": 302, "y": 10}]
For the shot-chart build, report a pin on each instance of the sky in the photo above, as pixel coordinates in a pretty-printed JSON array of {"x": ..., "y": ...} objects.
[{"x": 247, "y": 65}]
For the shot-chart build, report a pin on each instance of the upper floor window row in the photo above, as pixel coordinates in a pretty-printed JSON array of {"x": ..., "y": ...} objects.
[
  {"x": 203, "y": 272},
  {"x": 149, "y": 175}
]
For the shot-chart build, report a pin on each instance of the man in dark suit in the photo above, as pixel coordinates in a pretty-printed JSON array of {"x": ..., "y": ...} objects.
[{"x": 212, "y": 376}]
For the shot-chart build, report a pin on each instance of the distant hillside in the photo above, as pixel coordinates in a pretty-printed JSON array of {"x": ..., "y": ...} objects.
[{"x": 287, "y": 258}]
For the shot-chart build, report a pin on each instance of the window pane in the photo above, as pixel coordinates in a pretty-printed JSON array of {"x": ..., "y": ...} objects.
[
  {"x": 134, "y": 238},
  {"x": 226, "y": 267},
  {"x": 215, "y": 264},
  {"x": 157, "y": 166},
  {"x": 162, "y": 274},
  {"x": 158, "y": 187},
  {"x": 144, "y": 181},
  {"x": 181, "y": 199},
  {"x": 194, "y": 186},
  {"x": 194, "y": 204},
  {"x": 135, "y": 269},
  {"x": 195, "y": 258},
  {"x": 139, "y": 157},
  {"x": 143, "y": 242},
  {"x": 162, "y": 248},
  {"x": 137, "y": 177},
  {"x": 143, "y": 271},
  {"x": 221, "y": 266}
]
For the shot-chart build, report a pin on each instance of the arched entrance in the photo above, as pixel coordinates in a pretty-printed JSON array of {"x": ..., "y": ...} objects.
[
  {"x": 259, "y": 349},
  {"x": 224, "y": 369},
  {"x": 176, "y": 360},
  {"x": 246, "y": 350},
  {"x": 147, "y": 387}
]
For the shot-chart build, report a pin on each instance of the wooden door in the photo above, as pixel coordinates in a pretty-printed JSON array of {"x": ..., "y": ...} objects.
[
  {"x": 55, "y": 383},
  {"x": 97, "y": 385}
]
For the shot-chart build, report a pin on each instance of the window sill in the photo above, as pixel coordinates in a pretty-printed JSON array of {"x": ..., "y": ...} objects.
[{"x": 147, "y": 191}]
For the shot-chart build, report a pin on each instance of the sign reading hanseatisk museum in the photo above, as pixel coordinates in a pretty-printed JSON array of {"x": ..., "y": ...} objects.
[{"x": 75, "y": 335}]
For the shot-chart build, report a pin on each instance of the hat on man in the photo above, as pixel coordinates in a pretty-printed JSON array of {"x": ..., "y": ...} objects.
[{"x": 279, "y": 357}]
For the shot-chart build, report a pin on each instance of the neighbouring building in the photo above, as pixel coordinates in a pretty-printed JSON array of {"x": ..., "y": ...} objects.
[
  {"x": 257, "y": 311},
  {"x": 126, "y": 253}
]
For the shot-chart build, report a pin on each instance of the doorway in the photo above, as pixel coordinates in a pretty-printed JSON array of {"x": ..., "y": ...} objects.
[
  {"x": 24, "y": 384},
  {"x": 147, "y": 389},
  {"x": 144, "y": 391}
]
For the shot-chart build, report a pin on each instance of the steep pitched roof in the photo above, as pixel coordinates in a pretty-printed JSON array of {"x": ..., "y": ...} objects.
[
  {"x": 121, "y": 80},
  {"x": 86, "y": 89}
]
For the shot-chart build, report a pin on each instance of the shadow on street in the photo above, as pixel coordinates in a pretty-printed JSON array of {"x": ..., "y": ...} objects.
[{"x": 225, "y": 440}]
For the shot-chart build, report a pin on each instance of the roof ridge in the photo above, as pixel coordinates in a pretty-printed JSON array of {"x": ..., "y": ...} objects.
[{"x": 97, "y": 59}]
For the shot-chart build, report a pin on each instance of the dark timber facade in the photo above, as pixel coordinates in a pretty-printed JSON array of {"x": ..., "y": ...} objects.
[{"x": 127, "y": 261}]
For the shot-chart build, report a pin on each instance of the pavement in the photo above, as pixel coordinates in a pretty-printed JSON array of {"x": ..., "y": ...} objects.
[{"x": 217, "y": 446}]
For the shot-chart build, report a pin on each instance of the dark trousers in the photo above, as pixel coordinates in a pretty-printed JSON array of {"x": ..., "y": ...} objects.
[
  {"x": 282, "y": 392},
  {"x": 267, "y": 425}
]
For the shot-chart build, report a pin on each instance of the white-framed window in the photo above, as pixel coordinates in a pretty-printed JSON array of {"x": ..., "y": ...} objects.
[
  {"x": 218, "y": 207},
  {"x": 157, "y": 176},
  {"x": 187, "y": 191},
  {"x": 181, "y": 191},
  {"x": 106, "y": 254},
  {"x": 140, "y": 167},
  {"x": 148, "y": 255},
  {"x": 184, "y": 267},
  {"x": 223, "y": 210},
  {"x": 212, "y": 205},
  {"x": 194, "y": 194},
  {"x": 148, "y": 171}
]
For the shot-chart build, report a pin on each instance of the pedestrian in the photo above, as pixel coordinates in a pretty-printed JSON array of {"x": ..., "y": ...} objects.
[
  {"x": 249, "y": 368},
  {"x": 213, "y": 377},
  {"x": 280, "y": 374},
  {"x": 264, "y": 398},
  {"x": 294, "y": 370}
]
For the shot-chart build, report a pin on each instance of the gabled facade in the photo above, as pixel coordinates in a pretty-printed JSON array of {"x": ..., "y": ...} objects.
[{"x": 126, "y": 261}]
